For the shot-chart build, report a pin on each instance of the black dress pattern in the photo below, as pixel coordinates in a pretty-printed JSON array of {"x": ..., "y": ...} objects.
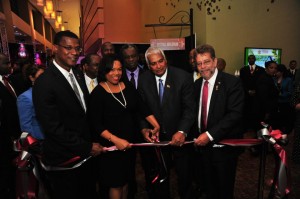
[
  {"x": 106, "y": 113},
  {"x": 295, "y": 99}
]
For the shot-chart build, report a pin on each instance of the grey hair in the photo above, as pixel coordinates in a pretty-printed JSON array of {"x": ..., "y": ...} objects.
[{"x": 154, "y": 50}]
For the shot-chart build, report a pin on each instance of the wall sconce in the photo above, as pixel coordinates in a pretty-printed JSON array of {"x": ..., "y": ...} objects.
[
  {"x": 56, "y": 24},
  {"x": 49, "y": 5},
  {"x": 66, "y": 25},
  {"x": 59, "y": 17},
  {"x": 52, "y": 15}
]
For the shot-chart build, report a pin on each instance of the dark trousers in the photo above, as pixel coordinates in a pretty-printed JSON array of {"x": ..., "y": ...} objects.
[
  {"x": 219, "y": 175},
  {"x": 173, "y": 156},
  {"x": 73, "y": 184}
]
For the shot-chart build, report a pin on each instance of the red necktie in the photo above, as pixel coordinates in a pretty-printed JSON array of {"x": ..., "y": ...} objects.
[
  {"x": 204, "y": 107},
  {"x": 8, "y": 86},
  {"x": 251, "y": 69}
]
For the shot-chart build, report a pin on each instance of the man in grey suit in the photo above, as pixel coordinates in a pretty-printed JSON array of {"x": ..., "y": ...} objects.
[
  {"x": 168, "y": 92},
  {"x": 60, "y": 97}
]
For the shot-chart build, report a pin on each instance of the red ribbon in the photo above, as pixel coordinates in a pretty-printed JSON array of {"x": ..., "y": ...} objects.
[{"x": 282, "y": 172}]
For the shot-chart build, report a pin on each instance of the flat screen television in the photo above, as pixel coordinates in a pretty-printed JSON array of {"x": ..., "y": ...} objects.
[{"x": 263, "y": 55}]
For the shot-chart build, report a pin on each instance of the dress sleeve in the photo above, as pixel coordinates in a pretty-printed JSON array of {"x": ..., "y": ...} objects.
[
  {"x": 95, "y": 111},
  {"x": 25, "y": 108}
]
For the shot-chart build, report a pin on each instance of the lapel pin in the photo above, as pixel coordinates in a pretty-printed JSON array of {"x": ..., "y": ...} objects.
[{"x": 217, "y": 86}]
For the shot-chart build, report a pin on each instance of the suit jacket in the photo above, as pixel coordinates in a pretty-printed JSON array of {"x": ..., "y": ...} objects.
[
  {"x": 62, "y": 118},
  {"x": 9, "y": 127},
  {"x": 125, "y": 77},
  {"x": 249, "y": 79},
  {"x": 177, "y": 111},
  {"x": 292, "y": 76},
  {"x": 224, "y": 120},
  {"x": 27, "y": 117}
]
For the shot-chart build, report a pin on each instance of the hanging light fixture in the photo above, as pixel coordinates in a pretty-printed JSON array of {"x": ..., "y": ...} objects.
[
  {"x": 52, "y": 15},
  {"x": 46, "y": 13},
  {"x": 66, "y": 25},
  {"x": 56, "y": 24},
  {"x": 40, "y": 2},
  {"x": 59, "y": 17},
  {"x": 49, "y": 5},
  {"x": 62, "y": 28}
]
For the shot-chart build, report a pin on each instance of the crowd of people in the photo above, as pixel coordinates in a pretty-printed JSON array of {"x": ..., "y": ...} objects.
[{"x": 103, "y": 112}]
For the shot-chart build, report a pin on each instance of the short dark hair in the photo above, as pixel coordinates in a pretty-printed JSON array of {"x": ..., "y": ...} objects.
[
  {"x": 58, "y": 36},
  {"x": 88, "y": 58},
  {"x": 106, "y": 65},
  {"x": 206, "y": 48},
  {"x": 268, "y": 63},
  {"x": 30, "y": 70},
  {"x": 126, "y": 46}
]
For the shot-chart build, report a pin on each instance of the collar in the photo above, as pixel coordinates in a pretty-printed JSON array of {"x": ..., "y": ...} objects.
[
  {"x": 62, "y": 70},
  {"x": 164, "y": 77},
  {"x": 135, "y": 72}
]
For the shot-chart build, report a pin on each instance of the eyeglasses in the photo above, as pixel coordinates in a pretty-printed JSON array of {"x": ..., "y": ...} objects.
[
  {"x": 69, "y": 48},
  {"x": 205, "y": 63}
]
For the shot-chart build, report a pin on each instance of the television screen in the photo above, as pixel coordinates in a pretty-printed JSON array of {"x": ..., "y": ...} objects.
[{"x": 263, "y": 55}]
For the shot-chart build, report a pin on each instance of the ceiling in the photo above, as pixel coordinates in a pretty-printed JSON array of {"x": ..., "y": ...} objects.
[{"x": 70, "y": 13}]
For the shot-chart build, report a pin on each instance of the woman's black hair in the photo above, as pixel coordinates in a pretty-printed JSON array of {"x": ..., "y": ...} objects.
[{"x": 106, "y": 65}]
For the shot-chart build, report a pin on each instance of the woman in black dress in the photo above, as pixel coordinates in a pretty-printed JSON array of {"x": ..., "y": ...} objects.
[{"x": 114, "y": 110}]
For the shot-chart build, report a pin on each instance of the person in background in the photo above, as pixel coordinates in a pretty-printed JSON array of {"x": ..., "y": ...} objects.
[
  {"x": 196, "y": 74},
  {"x": 169, "y": 93},
  {"x": 221, "y": 64},
  {"x": 114, "y": 111},
  {"x": 9, "y": 130},
  {"x": 220, "y": 103},
  {"x": 90, "y": 69},
  {"x": 285, "y": 118},
  {"x": 59, "y": 98},
  {"x": 249, "y": 75},
  {"x": 27, "y": 117},
  {"x": 292, "y": 69},
  {"x": 106, "y": 49},
  {"x": 266, "y": 99}
]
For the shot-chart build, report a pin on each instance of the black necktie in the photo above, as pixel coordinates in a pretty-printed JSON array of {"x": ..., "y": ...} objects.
[{"x": 132, "y": 80}]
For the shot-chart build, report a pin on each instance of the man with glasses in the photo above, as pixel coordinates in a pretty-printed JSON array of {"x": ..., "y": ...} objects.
[
  {"x": 220, "y": 102},
  {"x": 169, "y": 93},
  {"x": 60, "y": 99}
]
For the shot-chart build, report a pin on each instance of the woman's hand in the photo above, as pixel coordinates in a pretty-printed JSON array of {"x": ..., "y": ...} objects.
[{"x": 120, "y": 143}]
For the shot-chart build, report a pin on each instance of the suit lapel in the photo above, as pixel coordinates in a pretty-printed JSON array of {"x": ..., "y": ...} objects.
[
  {"x": 63, "y": 82},
  {"x": 167, "y": 87}
]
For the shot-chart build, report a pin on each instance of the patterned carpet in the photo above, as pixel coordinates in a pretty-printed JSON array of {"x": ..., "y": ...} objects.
[{"x": 247, "y": 176}]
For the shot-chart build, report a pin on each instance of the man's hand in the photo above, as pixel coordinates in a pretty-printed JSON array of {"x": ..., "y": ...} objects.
[
  {"x": 96, "y": 149},
  {"x": 178, "y": 139},
  {"x": 150, "y": 135},
  {"x": 202, "y": 140}
]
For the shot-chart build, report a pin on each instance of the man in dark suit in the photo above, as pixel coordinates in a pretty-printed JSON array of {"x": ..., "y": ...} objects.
[
  {"x": 292, "y": 69},
  {"x": 249, "y": 76},
  {"x": 174, "y": 108},
  {"x": 90, "y": 69},
  {"x": 220, "y": 100},
  {"x": 131, "y": 73},
  {"x": 9, "y": 130},
  {"x": 60, "y": 97}
]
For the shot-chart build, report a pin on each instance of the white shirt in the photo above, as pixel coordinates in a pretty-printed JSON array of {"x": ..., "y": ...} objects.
[
  {"x": 163, "y": 78},
  {"x": 88, "y": 82},
  {"x": 66, "y": 75},
  {"x": 211, "y": 83}
]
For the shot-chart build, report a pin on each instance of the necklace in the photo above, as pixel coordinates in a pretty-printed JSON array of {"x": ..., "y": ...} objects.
[{"x": 125, "y": 103}]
